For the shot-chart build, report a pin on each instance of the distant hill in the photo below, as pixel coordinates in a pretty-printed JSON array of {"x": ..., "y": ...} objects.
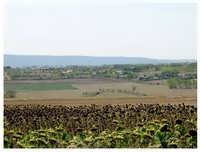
[{"x": 33, "y": 60}]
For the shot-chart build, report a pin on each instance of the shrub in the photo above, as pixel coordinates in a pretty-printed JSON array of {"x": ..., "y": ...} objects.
[
  {"x": 182, "y": 83},
  {"x": 10, "y": 94}
]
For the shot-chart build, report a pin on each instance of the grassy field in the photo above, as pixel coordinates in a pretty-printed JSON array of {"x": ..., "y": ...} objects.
[{"x": 38, "y": 86}]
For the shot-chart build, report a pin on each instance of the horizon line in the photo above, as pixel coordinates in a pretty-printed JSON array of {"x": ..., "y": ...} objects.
[{"x": 98, "y": 56}]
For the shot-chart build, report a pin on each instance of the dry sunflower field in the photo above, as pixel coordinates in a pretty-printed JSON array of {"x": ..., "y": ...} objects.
[{"x": 100, "y": 126}]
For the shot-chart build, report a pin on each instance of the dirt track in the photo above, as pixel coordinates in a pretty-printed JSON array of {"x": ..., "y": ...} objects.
[{"x": 106, "y": 100}]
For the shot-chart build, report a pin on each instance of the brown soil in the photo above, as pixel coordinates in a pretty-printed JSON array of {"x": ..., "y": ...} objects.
[
  {"x": 155, "y": 93},
  {"x": 106, "y": 100},
  {"x": 91, "y": 85}
]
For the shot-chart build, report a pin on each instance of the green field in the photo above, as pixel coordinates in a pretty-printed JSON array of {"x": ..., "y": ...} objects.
[{"x": 38, "y": 86}]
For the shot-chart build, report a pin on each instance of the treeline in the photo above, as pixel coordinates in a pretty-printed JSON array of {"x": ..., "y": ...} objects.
[
  {"x": 105, "y": 91},
  {"x": 176, "y": 83},
  {"x": 145, "y": 72}
]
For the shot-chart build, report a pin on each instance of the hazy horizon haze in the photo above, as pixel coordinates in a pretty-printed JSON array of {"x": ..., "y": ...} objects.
[{"x": 101, "y": 28}]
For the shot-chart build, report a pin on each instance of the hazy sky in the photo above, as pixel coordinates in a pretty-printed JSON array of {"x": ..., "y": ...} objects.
[{"x": 101, "y": 28}]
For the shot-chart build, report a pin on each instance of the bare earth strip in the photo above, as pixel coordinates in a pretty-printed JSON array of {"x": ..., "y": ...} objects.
[{"x": 106, "y": 100}]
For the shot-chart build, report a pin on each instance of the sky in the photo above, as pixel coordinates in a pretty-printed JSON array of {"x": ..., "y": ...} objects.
[{"x": 101, "y": 28}]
